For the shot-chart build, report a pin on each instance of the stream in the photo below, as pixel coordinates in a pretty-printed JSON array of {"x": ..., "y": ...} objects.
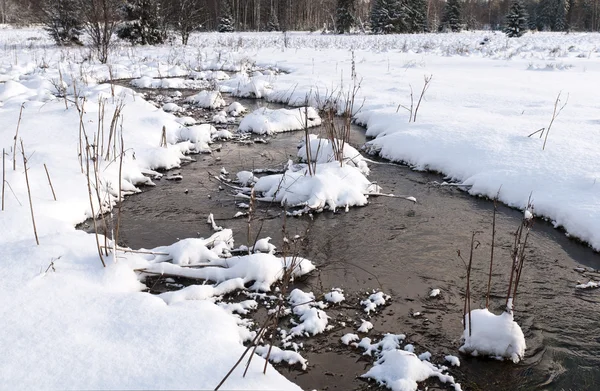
[{"x": 405, "y": 250}]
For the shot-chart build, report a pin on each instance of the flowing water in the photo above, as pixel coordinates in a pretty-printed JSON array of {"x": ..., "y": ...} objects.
[{"x": 404, "y": 249}]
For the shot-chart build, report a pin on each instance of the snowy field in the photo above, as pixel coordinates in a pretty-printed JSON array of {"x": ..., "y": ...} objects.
[{"x": 64, "y": 314}]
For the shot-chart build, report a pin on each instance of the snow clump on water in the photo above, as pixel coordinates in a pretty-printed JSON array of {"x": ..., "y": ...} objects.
[{"x": 496, "y": 336}]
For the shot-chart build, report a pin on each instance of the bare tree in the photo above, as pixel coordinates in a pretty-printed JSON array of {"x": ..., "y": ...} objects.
[
  {"x": 185, "y": 16},
  {"x": 101, "y": 21}
]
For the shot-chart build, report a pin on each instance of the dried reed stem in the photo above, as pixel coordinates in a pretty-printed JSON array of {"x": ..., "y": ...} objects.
[
  {"x": 3, "y": 175},
  {"x": 50, "y": 182},
  {"x": 29, "y": 193},
  {"x": 16, "y": 136}
]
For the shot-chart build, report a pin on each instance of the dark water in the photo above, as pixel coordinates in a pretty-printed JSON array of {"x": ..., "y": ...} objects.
[{"x": 405, "y": 249}]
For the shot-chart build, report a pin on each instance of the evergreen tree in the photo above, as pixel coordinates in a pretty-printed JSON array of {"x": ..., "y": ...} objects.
[
  {"x": 226, "y": 23},
  {"x": 416, "y": 11},
  {"x": 273, "y": 23},
  {"x": 387, "y": 17},
  {"x": 143, "y": 23},
  {"x": 451, "y": 19},
  {"x": 344, "y": 18},
  {"x": 516, "y": 20},
  {"x": 63, "y": 21}
]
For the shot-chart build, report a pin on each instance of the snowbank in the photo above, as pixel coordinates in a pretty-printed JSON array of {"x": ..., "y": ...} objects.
[{"x": 268, "y": 121}]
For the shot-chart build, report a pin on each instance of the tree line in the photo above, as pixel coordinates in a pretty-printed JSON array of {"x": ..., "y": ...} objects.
[{"x": 153, "y": 21}]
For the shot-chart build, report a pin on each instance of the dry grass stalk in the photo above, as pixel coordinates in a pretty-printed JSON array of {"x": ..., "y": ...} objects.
[
  {"x": 89, "y": 185},
  {"x": 425, "y": 88},
  {"x": 467, "y": 304},
  {"x": 116, "y": 237},
  {"x": 555, "y": 114},
  {"x": 112, "y": 132},
  {"x": 3, "y": 175},
  {"x": 50, "y": 182},
  {"x": 518, "y": 255},
  {"x": 29, "y": 193},
  {"x": 487, "y": 296},
  {"x": 61, "y": 89},
  {"x": 163, "y": 137},
  {"x": 15, "y": 139}
]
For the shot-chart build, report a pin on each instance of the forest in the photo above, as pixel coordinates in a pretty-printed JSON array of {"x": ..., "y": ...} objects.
[{"x": 335, "y": 16}]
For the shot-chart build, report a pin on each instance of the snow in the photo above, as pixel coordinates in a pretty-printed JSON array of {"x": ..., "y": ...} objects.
[
  {"x": 331, "y": 186},
  {"x": 497, "y": 336},
  {"x": 425, "y": 356},
  {"x": 322, "y": 151},
  {"x": 401, "y": 371},
  {"x": 347, "y": 339},
  {"x": 268, "y": 121},
  {"x": 263, "y": 246},
  {"x": 453, "y": 360},
  {"x": 472, "y": 126},
  {"x": 246, "y": 178},
  {"x": 313, "y": 320},
  {"x": 335, "y": 296},
  {"x": 278, "y": 355},
  {"x": 434, "y": 293},
  {"x": 365, "y": 326},
  {"x": 207, "y": 99},
  {"x": 375, "y": 300},
  {"x": 588, "y": 285}
]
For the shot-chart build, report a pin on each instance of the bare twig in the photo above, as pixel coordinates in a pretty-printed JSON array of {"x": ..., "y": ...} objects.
[
  {"x": 3, "y": 175},
  {"x": 425, "y": 87},
  {"x": 487, "y": 296},
  {"x": 555, "y": 114},
  {"x": 29, "y": 193},
  {"x": 50, "y": 182},
  {"x": 16, "y": 136}
]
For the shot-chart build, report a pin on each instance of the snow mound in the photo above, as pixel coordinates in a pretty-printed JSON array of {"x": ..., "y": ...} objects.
[
  {"x": 349, "y": 338},
  {"x": 331, "y": 187},
  {"x": 236, "y": 109},
  {"x": 278, "y": 355},
  {"x": 243, "y": 86},
  {"x": 268, "y": 121},
  {"x": 497, "y": 336},
  {"x": 365, "y": 326},
  {"x": 453, "y": 360},
  {"x": 199, "y": 135},
  {"x": 313, "y": 320},
  {"x": 207, "y": 99},
  {"x": 401, "y": 371},
  {"x": 335, "y": 296}
]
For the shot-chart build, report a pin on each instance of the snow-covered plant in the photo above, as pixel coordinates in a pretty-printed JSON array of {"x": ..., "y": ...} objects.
[{"x": 516, "y": 20}]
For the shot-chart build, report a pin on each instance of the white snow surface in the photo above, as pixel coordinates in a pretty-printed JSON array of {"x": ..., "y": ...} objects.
[
  {"x": 278, "y": 355},
  {"x": 497, "y": 336},
  {"x": 331, "y": 186},
  {"x": 453, "y": 360},
  {"x": 335, "y": 296},
  {"x": 92, "y": 321},
  {"x": 268, "y": 121},
  {"x": 399, "y": 370},
  {"x": 374, "y": 300},
  {"x": 207, "y": 99}
]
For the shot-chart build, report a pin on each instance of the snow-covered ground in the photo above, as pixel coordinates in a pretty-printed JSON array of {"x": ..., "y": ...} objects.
[{"x": 64, "y": 314}]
